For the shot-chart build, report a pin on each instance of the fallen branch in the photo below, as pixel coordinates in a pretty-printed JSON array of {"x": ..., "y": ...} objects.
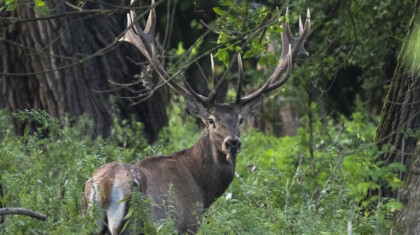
[{"x": 22, "y": 211}]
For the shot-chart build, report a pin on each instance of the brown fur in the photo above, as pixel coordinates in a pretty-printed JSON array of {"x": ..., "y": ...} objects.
[{"x": 105, "y": 187}]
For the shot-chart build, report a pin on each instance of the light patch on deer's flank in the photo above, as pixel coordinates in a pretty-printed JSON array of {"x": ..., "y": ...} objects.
[
  {"x": 116, "y": 208},
  {"x": 94, "y": 195},
  {"x": 94, "y": 198},
  {"x": 135, "y": 176}
]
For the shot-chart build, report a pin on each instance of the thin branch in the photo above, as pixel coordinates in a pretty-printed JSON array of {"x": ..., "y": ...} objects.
[{"x": 22, "y": 211}]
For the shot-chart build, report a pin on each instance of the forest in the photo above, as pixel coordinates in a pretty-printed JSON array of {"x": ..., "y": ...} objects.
[{"x": 332, "y": 147}]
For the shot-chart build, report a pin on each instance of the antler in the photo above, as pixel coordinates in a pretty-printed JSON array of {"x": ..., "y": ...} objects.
[
  {"x": 144, "y": 41},
  {"x": 291, "y": 48}
]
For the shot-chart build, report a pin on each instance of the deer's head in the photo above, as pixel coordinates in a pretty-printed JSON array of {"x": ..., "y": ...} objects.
[{"x": 223, "y": 122}]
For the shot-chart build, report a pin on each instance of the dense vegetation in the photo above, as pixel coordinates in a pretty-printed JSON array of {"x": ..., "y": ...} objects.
[
  {"x": 322, "y": 180},
  {"x": 278, "y": 186}
]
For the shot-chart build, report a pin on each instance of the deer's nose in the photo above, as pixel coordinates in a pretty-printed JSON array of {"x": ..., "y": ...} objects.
[{"x": 233, "y": 145}]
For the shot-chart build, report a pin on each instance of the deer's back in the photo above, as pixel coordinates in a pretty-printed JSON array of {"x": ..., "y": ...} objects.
[{"x": 164, "y": 180}]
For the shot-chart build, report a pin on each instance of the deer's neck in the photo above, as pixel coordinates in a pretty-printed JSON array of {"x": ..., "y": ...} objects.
[{"x": 212, "y": 170}]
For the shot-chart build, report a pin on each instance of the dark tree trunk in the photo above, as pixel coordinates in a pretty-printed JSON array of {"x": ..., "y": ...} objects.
[
  {"x": 277, "y": 116},
  {"x": 400, "y": 120},
  {"x": 59, "y": 65},
  {"x": 407, "y": 221},
  {"x": 1, "y": 202},
  {"x": 401, "y": 110}
]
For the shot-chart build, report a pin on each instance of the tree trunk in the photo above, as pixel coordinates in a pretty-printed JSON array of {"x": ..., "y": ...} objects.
[
  {"x": 63, "y": 63},
  {"x": 1, "y": 202},
  {"x": 407, "y": 221},
  {"x": 401, "y": 112},
  {"x": 398, "y": 127}
]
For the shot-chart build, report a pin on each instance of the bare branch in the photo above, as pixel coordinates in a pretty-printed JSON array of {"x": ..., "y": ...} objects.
[{"x": 22, "y": 211}]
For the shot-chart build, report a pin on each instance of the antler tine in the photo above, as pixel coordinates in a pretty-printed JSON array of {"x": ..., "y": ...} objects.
[
  {"x": 256, "y": 94},
  {"x": 286, "y": 76},
  {"x": 308, "y": 19},
  {"x": 212, "y": 95},
  {"x": 205, "y": 101},
  {"x": 291, "y": 48},
  {"x": 151, "y": 20},
  {"x": 147, "y": 35},
  {"x": 144, "y": 41},
  {"x": 300, "y": 25},
  {"x": 240, "y": 79},
  {"x": 294, "y": 49},
  {"x": 213, "y": 72}
]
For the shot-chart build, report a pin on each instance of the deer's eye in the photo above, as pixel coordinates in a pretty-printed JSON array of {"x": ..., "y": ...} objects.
[
  {"x": 211, "y": 122},
  {"x": 241, "y": 120}
]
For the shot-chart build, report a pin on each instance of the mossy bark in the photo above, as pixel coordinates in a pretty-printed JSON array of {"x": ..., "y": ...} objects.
[
  {"x": 399, "y": 122},
  {"x": 407, "y": 221},
  {"x": 401, "y": 112}
]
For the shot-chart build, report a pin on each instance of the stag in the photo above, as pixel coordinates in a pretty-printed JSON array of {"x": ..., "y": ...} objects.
[{"x": 201, "y": 174}]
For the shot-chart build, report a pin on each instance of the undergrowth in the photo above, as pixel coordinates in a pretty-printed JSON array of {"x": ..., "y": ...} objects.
[{"x": 283, "y": 185}]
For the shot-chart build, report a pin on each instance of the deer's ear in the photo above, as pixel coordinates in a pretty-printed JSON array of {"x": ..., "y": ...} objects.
[
  {"x": 251, "y": 108},
  {"x": 196, "y": 108}
]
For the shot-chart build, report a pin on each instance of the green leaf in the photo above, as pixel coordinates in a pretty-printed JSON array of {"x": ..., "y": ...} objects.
[
  {"x": 129, "y": 214},
  {"x": 256, "y": 49},
  {"x": 26, "y": 132},
  {"x": 39, "y": 3},
  {"x": 197, "y": 46},
  {"x": 10, "y": 4},
  {"x": 125, "y": 226},
  {"x": 394, "y": 205},
  {"x": 225, "y": 2},
  {"x": 180, "y": 49},
  {"x": 223, "y": 56},
  {"x": 223, "y": 38},
  {"x": 218, "y": 11},
  {"x": 395, "y": 166},
  {"x": 41, "y": 7}
]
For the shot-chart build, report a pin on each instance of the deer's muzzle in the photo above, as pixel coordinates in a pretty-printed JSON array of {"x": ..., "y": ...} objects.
[{"x": 232, "y": 145}]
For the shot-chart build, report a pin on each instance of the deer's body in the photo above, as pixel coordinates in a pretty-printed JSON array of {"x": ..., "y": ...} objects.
[
  {"x": 198, "y": 175},
  {"x": 194, "y": 187}
]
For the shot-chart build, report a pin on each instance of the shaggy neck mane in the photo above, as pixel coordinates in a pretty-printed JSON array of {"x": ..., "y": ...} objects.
[{"x": 212, "y": 169}]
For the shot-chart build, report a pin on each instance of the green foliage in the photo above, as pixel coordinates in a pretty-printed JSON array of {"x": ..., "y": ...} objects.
[
  {"x": 175, "y": 137},
  {"x": 346, "y": 35},
  {"x": 366, "y": 35},
  {"x": 243, "y": 27},
  {"x": 138, "y": 215},
  {"x": 10, "y": 5},
  {"x": 280, "y": 186},
  {"x": 39, "y": 6},
  {"x": 46, "y": 173}
]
